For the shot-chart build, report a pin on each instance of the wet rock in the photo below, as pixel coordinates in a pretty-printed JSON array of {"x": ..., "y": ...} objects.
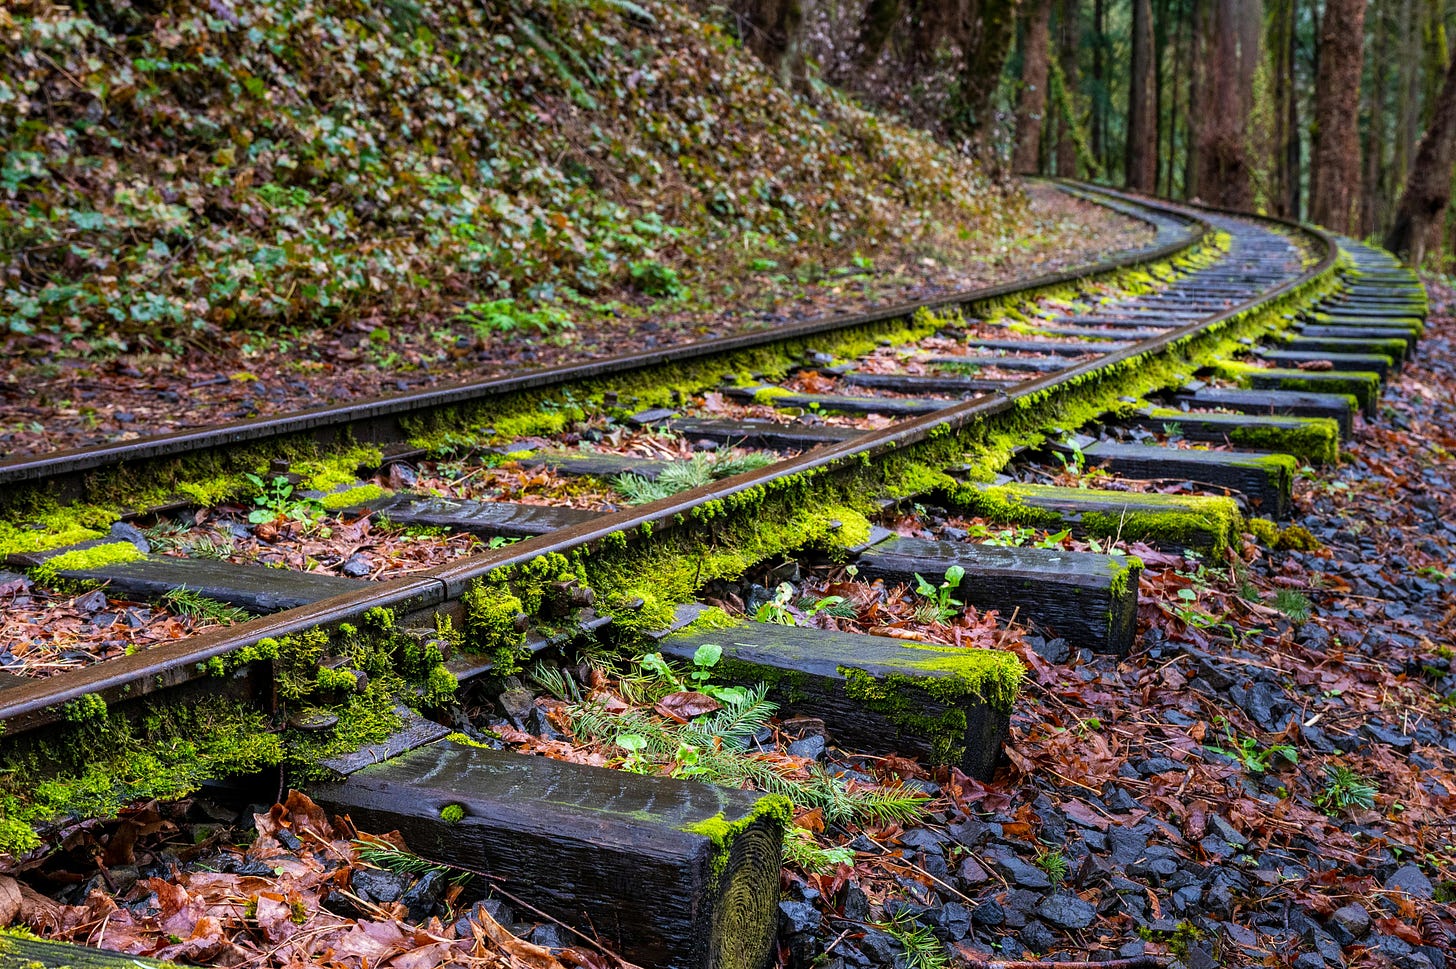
[
  {"x": 126, "y": 532},
  {"x": 856, "y": 904},
  {"x": 811, "y": 747},
  {"x": 1352, "y": 920},
  {"x": 880, "y": 947},
  {"x": 1066, "y": 911},
  {"x": 376, "y": 885},
  {"x": 288, "y": 839},
  {"x": 424, "y": 895},
  {"x": 953, "y": 921},
  {"x": 1037, "y": 937},
  {"x": 1309, "y": 960},
  {"x": 516, "y": 703},
  {"x": 1386, "y": 735},
  {"x": 538, "y": 724},
  {"x": 796, "y": 918},
  {"x": 357, "y": 566},
  {"x": 551, "y": 936},
  {"x": 1409, "y": 879},
  {"x": 1053, "y": 650},
  {"x": 1019, "y": 872},
  {"x": 989, "y": 914},
  {"x": 971, "y": 872}
]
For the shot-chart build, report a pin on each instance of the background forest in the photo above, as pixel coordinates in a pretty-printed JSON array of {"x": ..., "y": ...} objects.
[{"x": 1336, "y": 111}]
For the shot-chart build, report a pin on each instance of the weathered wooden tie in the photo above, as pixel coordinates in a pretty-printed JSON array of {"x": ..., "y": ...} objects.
[
  {"x": 1204, "y": 523},
  {"x": 1339, "y": 408},
  {"x": 1339, "y": 361},
  {"x": 950, "y": 384},
  {"x": 1313, "y": 440},
  {"x": 1363, "y": 385},
  {"x": 1088, "y": 599},
  {"x": 948, "y": 705},
  {"x": 1265, "y": 479},
  {"x": 501, "y": 519},
  {"x": 761, "y": 434},
  {"x": 836, "y": 403},
  {"x": 17, "y": 952},
  {"x": 1392, "y": 347},
  {"x": 583, "y": 464},
  {"x": 671, "y": 874},
  {"x": 1321, "y": 331}
]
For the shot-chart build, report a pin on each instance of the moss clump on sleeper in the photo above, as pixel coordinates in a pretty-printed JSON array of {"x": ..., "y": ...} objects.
[
  {"x": 95, "y": 766},
  {"x": 45, "y": 525},
  {"x": 88, "y": 559},
  {"x": 358, "y": 495},
  {"x": 1125, "y": 571},
  {"x": 1293, "y": 538},
  {"x": 773, "y": 809},
  {"x": 1363, "y": 385},
  {"x": 711, "y": 619},
  {"x": 949, "y": 678},
  {"x": 452, "y": 813}
]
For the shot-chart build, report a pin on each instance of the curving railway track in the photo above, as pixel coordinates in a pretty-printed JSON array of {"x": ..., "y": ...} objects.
[{"x": 1198, "y": 374}]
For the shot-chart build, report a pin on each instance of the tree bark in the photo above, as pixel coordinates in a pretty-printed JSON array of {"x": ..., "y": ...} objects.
[
  {"x": 1099, "y": 88},
  {"x": 1372, "y": 208},
  {"x": 770, "y": 28},
  {"x": 1423, "y": 203},
  {"x": 987, "y": 40},
  {"x": 875, "y": 27},
  {"x": 1069, "y": 29},
  {"x": 1032, "y": 101},
  {"x": 1223, "y": 165},
  {"x": 1337, "y": 115},
  {"x": 1284, "y": 192},
  {"x": 1141, "y": 155}
]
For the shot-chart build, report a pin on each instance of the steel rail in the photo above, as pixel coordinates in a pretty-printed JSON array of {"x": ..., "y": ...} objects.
[{"x": 120, "y": 680}]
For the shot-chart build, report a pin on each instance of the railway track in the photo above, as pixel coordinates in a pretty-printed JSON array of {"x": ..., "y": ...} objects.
[{"x": 1202, "y": 372}]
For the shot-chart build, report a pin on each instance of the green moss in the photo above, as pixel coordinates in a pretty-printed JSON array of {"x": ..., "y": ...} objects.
[
  {"x": 1263, "y": 530},
  {"x": 953, "y": 677},
  {"x": 88, "y": 559},
  {"x": 1364, "y": 386},
  {"x": 1125, "y": 572},
  {"x": 47, "y": 526},
  {"x": 452, "y": 813},
  {"x": 96, "y": 766},
  {"x": 1314, "y": 440},
  {"x": 490, "y": 618},
  {"x": 330, "y": 471},
  {"x": 89, "y": 707},
  {"x": 1296, "y": 538},
  {"x": 709, "y": 620},
  {"x": 350, "y": 497},
  {"x": 1206, "y": 523},
  {"x": 767, "y": 395},
  {"x": 772, "y": 809}
]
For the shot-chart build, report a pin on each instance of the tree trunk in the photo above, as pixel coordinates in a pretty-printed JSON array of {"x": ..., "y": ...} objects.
[
  {"x": 1423, "y": 203},
  {"x": 1337, "y": 115},
  {"x": 1141, "y": 157},
  {"x": 1284, "y": 190},
  {"x": 880, "y": 17},
  {"x": 1197, "y": 71},
  {"x": 770, "y": 28},
  {"x": 1223, "y": 165},
  {"x": 1099, "y": 88},
  {"x": 987, "y": 41},
  {"x": 1032, "y": 102},
  {"x": 1372, "y": 211},
  {"x": 1069, "y": 29}
]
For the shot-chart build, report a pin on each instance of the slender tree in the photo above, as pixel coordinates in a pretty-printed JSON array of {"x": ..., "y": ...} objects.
[
  {"x": 1337, "y": 113},
  {"x": 770, "y": 28},
  {"x": 1069, "y": 31},
  {"x": 1032, "y": 101},
  {"x": 988, "y": 27},
  {"x": 875, "y": 27},
  {"x": 1423, "y": 203},
  {"x": 1223, "y": 111},
  {"x": 1141, "y": 155}
]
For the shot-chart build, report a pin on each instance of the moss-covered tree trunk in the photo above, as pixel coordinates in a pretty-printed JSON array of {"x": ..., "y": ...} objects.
[
  {"x": 875, "y": 27},
  {"x": 1032, "y": 102},
  {"x": 989, "y": 28},
  {"x": 1069, "y": 34},
  {"x": 1337, "y": 115},
  {"x": 1423, "y": 203},
  {"x": 1222, "y": 110},
  {"x": 1141, "y": 155}
]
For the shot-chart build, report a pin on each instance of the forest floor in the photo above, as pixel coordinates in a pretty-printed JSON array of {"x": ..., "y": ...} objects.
[
  {"x": 54, "y": 397},
  {"x": 1266, "y": 780}
]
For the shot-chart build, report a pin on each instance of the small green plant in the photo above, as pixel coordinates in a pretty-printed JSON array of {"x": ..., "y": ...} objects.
[
  {"x": 652, "y": 278},
  {"x": 197, "y": 607},
  {"x": 1075, "y": 464},
  {"x": 940, "y": 599},
  {"x": 776, "y": 610},
  {"x": 1295, "y": 605},
  {"x": 274, "y": 500},
  {"x": 704, "y": 659},
  {"x": 837, "y": 606},
  {"x": 506, "y": 316},
  {"x": 381, "y": 854},
  {"x": 922, "y": 949},
  {"x": 805, "y": 854},
  {"x": 695, "y": 472},
  {"x": 1054, "y": 863},
  {"x": 1345, "y": 789},
  {"x": 1247, "y": 750}
]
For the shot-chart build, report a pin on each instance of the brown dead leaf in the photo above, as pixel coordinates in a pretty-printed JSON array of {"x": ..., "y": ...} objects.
[
  {"x": 9, "y": 900},
  {"x": 1315, "y": 365},
  {"x": 685, "y": 705}
]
